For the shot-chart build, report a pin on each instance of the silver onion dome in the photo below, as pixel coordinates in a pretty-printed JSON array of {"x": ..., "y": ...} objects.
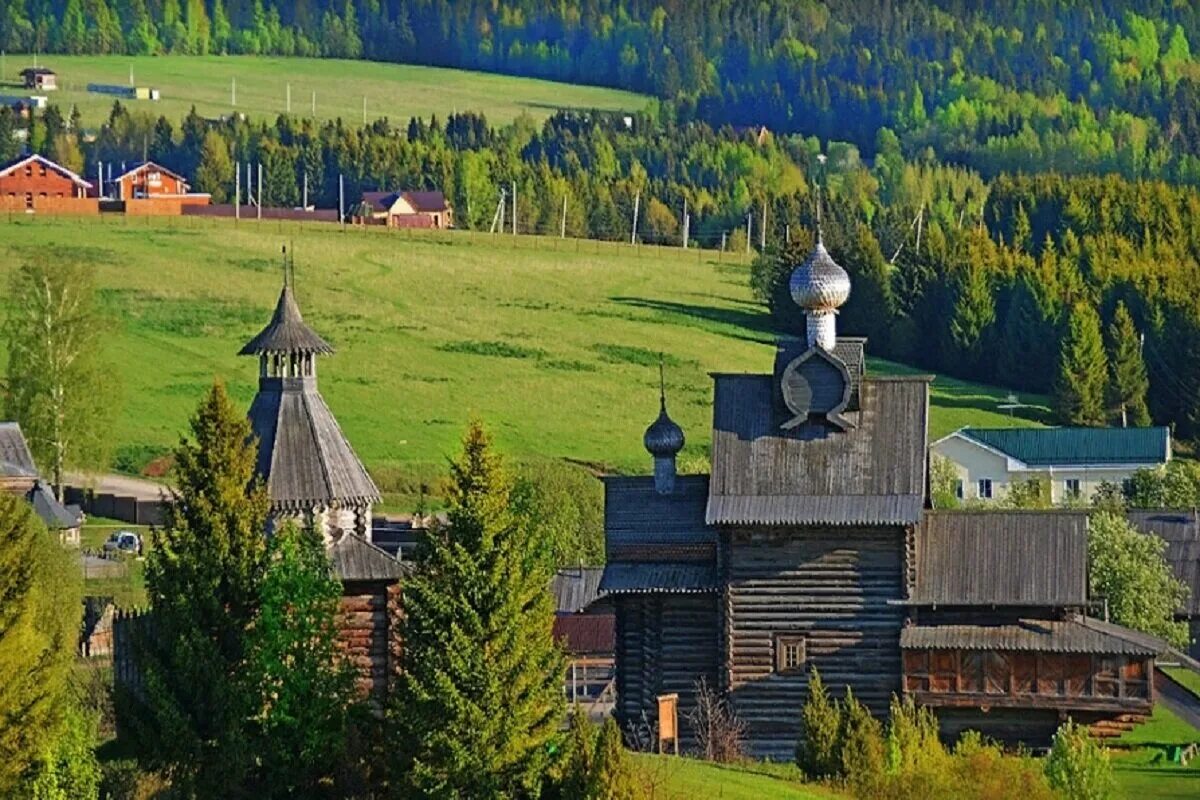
[
  {"x": 664, "y": 438},
  {"x": 819, "y": 284}
]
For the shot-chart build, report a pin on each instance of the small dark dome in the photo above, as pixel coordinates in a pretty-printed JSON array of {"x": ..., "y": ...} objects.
[
  {"x": 819, "y": 284},
  {"x": 663, "y": 438}
]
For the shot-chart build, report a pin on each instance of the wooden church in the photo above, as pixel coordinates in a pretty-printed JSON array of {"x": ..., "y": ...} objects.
[
  {"x": 813, "y": 545},
  {"x": 314, "y": 478}
]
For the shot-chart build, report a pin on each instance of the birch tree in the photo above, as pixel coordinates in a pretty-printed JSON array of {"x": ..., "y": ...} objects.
[{"x": 56, "y": 387}]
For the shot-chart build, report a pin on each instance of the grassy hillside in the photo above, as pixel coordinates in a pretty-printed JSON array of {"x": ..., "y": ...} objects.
[
  {"x": 553, "y": 343},
  {"x": 392, "y": 90},
  {"x": 675, "y": 778}
]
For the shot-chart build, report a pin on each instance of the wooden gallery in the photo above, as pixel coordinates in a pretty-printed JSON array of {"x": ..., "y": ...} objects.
[{"x": 813, "y": 545}]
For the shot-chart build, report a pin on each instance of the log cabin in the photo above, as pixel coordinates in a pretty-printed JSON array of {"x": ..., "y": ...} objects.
[{"x": 812, "y": 544}]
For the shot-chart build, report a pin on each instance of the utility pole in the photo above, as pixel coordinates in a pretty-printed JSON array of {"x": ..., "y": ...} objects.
[
  {"x": 762, "y": 243},
  {"x": 685, "y": 224},
  {"x": 233, "y": 92},
  {"x": 131, "y": 74},
  {"x": 304, "y": 204},
  {"x": 237, "y": 191},
  {"x": 787, "y": 234},
  {"x": 259, "y": 203},
  {"x": 514, "y": 192},
  {"x": 749, "y": 230},
  {"x": 249, "y": 185},
  {"x": 364, "y": 109},
  {"x": 314, "y": 103},
  {"x": 498, "y": 217},
  {"x": 562, "y": 228},
  {"x": 288, "y": 102},
  {"x": 637, "y": 201},
  {"x": 341, "y": 200}
]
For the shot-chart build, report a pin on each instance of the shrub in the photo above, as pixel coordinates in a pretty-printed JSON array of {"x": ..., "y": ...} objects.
[
  {"x": 613, "y": 776},
  {"x": 982, "y": 770},
  {"x": 861, "y": 738},
  {"x": 718, "y": 729},
  {"x": 1078, "y": 766},
  {"x": 817, "y": 752}
]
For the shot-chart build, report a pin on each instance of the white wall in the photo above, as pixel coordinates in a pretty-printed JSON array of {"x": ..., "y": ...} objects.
[{"x": 973, "y": 463}]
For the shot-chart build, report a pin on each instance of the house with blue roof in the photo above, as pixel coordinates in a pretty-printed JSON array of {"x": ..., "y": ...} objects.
[{"x": 1075, "y": 461}]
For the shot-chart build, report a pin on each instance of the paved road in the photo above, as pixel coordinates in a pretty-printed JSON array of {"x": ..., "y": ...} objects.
[{"x": 119, "y": 485}]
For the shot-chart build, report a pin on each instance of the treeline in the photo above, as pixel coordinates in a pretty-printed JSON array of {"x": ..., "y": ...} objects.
[{"x": 1049, "y": 84}]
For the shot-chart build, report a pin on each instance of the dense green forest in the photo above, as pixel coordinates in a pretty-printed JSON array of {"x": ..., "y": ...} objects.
[{"x": 1041, "y": 84}]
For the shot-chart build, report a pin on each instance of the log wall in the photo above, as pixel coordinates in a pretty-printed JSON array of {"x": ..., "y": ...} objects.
[
  {"x": 664, "y": 644},
  {"x": 831, "y": 586},
  {"x": 367, "y": 632}
]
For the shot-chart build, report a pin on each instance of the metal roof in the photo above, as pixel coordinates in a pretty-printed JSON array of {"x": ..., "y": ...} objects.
[
  {"x": 1048, "y": 447},
  {"x": 286, "y": 332},
  {"x": 15, "y": 459},
  {"x": 576, "y": 588},
  {"x": 1004, "y": 558},
  {"x": 658, "y": 577},
  {"x": 871, "y": 474},
  {"x": 303, "y": 455},
  {"x": 356, "y": 559},
  {"x": 585, "y": 633},
  {"x": 1181, "y": 531},
  {"x": 1034, "y": 635}
]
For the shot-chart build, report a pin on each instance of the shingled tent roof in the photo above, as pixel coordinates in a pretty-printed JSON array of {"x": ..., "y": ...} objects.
[
  {"x": 871, "y": 474},
  {"x": 1003, "y": 558},
  {"x": 302, "y": 451},
  {"x": 286, "y": 332},
  {"x": 356, "y": 559},
  {"x": 15, "y": 458}
]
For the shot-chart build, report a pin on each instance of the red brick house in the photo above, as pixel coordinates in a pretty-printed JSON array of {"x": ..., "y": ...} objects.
[
  {"x": 146, "y": 179},
  {"x": 30, "y": 177}
]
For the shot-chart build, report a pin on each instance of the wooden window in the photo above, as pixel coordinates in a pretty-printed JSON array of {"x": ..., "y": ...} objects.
[
  {"x": 958, "y": 489},
  {"x": 1071, "y": 487},
  {"x": 985, "y": 488},
  {"x": 791, "y": 653},
  {"x": 1107, "y": 680}
]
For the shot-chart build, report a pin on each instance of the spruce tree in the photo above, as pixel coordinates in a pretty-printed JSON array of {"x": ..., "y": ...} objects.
[
  {"x": 1129, "y": 382},
  {"x": 40, "y": 611},
  {"x": 203, "y": 578},
  {"x": 480, "y": 698},
  {"x": 214, "y": 171},
  {"x": 1082, "y": 370},
  {"x": 301, "y": 689}
]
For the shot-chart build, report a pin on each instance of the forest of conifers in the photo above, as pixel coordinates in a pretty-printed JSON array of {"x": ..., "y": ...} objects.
[{"x": 997, "y": 181}]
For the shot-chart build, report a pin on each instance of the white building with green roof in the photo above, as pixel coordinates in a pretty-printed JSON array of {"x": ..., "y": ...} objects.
[{"x": 1075, "y": 461}]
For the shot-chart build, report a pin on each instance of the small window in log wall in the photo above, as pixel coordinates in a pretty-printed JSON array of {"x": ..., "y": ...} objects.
[{"x": 791, "y": 653}]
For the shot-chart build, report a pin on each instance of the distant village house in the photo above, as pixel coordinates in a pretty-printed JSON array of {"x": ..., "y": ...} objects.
[
  {"x": 19, "y": 476},
  {"x": 146, "y": 179},
  {"x": 40, "y": 78},
  {"x": 30, "y": 177},
  {"x": 403, "y": 209},
  {"x": 1075, "y": 461}
]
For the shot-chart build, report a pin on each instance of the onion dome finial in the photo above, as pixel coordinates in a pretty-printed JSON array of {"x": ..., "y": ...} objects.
[
  {"x": 664, "y": 438},
  {"x": 820, "y": 287}
]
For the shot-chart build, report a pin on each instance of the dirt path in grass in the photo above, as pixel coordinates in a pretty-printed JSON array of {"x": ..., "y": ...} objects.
[{"x": 118, "y": 485}]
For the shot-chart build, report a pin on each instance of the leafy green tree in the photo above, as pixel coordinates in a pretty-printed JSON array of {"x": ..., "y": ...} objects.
[
  {"x": 818, "y": 751},
  {"x": 1078, "y": 765},
  {"x": 40, "y": 611},
  {"x": 1082, "y": 370},
  {"x": 480, "y": 697},
  {"x": 1176, "y": 486},
  {"x": 302, "y": 691},
  {"x": 203, "y": 578},
  {"x": 1129, "y": 570},
  {"x": 943, "y": 482},
  {"x": 57, "y": 387},
  {"x": 1129, "y": 385},
  {"x": 67, "y": 769},
  {"x": 565, "y": 504},
  {"x": 214, "y": 172}
]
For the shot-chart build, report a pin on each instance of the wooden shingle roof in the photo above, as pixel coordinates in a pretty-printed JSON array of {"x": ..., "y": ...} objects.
[
  {"x": 1181, "y": 531},
  {"x": 637, "y": 516},
  {"x": 871, "y": 474},
  {"x": 356, "y": 559},
  {"x": 1002, "y": 558},
  {"x": 576, "y": 588},
  {"x": 286, "y": 332},
  {"x": 1035, "y": 635},
  {"x": 302, "y": 453}
]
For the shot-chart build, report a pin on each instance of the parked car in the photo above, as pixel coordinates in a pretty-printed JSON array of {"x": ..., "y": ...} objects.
[{"x": 124, "y": 542}]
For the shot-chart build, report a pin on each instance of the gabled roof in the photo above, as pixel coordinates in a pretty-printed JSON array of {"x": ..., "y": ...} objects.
[
  {"x": 286, "y": 332},
  {"x": 871, "y": 474},
  {"x": 356, "y": 559},
  {"x": 1081, "y": 635},
  {"x": 302, "y": 453},
  {"x": 54, "y": 514},
  {"x": 137, "y": 166},
  {"x": 1001, "y": 558},
  {"x": 1181, "y": 531},
  {"x": 1052, "y": 447},
  {"x": 421, "y": 202},
  {"x": 380, "y": 201},
  {"x": 15, "y": 459},
  {"x": 38, "y": 71},
  {"x": 20, "y": 161}
]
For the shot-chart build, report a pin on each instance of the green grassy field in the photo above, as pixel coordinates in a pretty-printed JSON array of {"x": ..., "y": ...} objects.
[
  {"x": 553, "y": 343},
  {"x": 396, "y": 91},
  {"x": 675, "y": 778}
]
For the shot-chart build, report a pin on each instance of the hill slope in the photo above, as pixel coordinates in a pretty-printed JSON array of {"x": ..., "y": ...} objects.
[
  {"x": 554, "y": 343},
  {"x": 392, "y": 90}
]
